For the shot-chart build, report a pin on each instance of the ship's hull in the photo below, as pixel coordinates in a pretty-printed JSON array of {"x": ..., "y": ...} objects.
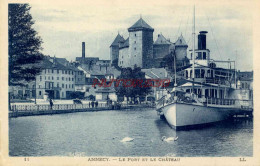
[{"x": 182, "y": 115}]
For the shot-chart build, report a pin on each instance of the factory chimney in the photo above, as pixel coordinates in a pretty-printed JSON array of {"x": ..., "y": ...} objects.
[
  {"x": 83, "y": 50},
  {"x": 202, "y": 40}
]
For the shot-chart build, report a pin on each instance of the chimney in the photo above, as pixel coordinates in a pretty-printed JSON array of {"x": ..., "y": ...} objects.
[
  {"x": 83, "y": 50},
  {"x": 202, "y": 40}
]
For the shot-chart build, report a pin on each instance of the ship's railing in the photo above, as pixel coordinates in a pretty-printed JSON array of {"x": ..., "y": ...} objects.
[
  {"x": 247, "y": 104},
  {"x": 216, "y": 101}
]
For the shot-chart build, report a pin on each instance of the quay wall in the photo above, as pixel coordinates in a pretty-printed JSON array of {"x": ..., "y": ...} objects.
[{"x": 18, "y": 111}]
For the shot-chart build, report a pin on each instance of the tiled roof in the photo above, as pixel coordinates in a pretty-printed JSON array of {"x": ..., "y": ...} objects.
[
  {"x": 47, "y": 64},
  {"x": 124, "y": 44},
  {"x": 181, "y": 41},
  {"x": 117, "y": 40},
  {"x": 161, "y": 40},
  {"x": 140, "y": 25}
]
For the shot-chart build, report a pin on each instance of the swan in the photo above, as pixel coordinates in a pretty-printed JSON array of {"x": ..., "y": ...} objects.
[
  {"x": 169, "y": 139},
  {"x": 127, "y": 139}
]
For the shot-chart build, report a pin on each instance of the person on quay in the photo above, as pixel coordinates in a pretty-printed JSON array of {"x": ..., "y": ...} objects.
[
  {"x": 92, "y": 104},
  {"x": 51, "y": 103}
]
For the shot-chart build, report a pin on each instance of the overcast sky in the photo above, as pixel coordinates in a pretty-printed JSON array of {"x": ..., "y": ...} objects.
[{"x": 63, "y": 27}]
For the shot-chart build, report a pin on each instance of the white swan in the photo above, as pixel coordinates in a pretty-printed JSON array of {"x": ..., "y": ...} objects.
[
  {"x": 169, "y": 139},
  {"x": 127, "y": 139}
]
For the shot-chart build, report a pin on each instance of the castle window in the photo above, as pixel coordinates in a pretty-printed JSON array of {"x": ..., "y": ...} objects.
[{"x": 135, "y": 34}]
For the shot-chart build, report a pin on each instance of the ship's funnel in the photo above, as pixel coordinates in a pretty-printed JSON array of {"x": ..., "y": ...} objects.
[{"x": 202, "y": 40}]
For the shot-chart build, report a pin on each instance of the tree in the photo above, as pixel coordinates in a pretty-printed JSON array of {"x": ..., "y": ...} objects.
[
  {"x": 132, "y": 92},
  {"x": 24, "y": 45}
]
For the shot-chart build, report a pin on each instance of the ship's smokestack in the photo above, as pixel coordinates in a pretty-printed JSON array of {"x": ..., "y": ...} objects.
[
  {"x": 83, "y": 50},
  {"x": 202, "y": 40}
]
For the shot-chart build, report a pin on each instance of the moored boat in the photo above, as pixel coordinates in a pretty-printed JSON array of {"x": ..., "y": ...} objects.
[{"x": 209, "y": 93}]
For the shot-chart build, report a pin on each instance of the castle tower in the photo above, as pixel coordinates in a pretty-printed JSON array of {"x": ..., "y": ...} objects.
[
  {"x": 140, "y": 44},
  {"x": 114, "y": 49},
  {"x": 181, "y": 48}
]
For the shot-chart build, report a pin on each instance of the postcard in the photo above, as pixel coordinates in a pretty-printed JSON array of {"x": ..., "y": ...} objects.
[{"x": 129, "y": 82}]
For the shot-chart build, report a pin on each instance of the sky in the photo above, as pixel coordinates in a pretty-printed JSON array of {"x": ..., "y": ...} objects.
[{"x": 64, "y": 26}]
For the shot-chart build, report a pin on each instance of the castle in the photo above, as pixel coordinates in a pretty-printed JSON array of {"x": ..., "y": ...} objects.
[{"x": 139, "y": 49}]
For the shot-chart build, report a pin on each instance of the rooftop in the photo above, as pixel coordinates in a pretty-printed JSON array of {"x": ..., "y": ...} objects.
[
  {"x": 140, "y": 25},
  {"x": 181, "y": 41},
  {"x": 118, "y": 39},
  {"x": 161, "y": 40}
]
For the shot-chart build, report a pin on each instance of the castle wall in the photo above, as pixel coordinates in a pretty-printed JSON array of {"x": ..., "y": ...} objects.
[
  {"x": 114, "y": 53},
  {"x": 181, "y": 52},
  {"x": 136, "y": 48},
  {"x": 160, "y": 51},
  {"x": 147, "y": 52},
  {"x": 124, "y": 57}
]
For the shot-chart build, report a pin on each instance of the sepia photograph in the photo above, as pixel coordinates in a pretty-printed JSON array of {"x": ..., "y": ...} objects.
[{"x": 130, "y": 82}]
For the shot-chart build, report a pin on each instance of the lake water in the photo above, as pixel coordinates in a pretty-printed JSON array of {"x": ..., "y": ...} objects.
[{"x": 99, "y": 134}]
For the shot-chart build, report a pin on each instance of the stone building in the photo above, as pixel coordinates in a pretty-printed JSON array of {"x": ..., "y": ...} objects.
[
  {"x": 57, "y": 80},
  {"x": 114, "y": 49},
  {"x": 139, "y": 49}
]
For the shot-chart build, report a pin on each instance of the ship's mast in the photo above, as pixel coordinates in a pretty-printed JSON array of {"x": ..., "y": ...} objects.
[{"x": 193, "y": 49}]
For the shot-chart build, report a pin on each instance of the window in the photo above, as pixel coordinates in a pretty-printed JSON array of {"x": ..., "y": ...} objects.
[
  {"x": 62, "y": 72},
  {"x": 62, "y": 94},
  {"x": 52, "y": 78},
  {"x": 62, "y": 78},
  {"x": 40, "y": 78},
  {"x": 202, "y": 73},
  {"x": 40, "y": 93},
  {"x": 72, "y": 72},
  {"x": 199, "y": 56},
  {"x": 45, "y": 71},
  {"x": 45, "y": 77},
  {"x": 62, "y": 85},
  {"x": 206, "y": 93},
  {"x": 135, "y": 34},
  {"x": 66, "y": 86},
  {"x": 69, "y": 85},
  {"x": 58, "y": 71},
  {"x": 52, "y": 71},
  {"x": 204, "y": 56},
  {"x": 69, "y": 78},
  {"x": 135, "y": 41},
  {"x": 49, "y": 78},
  {"x": 135, "y": 48},
  {"x": 65, "y": 71},
  {"x": 199, "y": 93},
  {"x": 58, "y": 78},
  {"x": 72, "y": 79},
  {"x": 72, "y": 86}
]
